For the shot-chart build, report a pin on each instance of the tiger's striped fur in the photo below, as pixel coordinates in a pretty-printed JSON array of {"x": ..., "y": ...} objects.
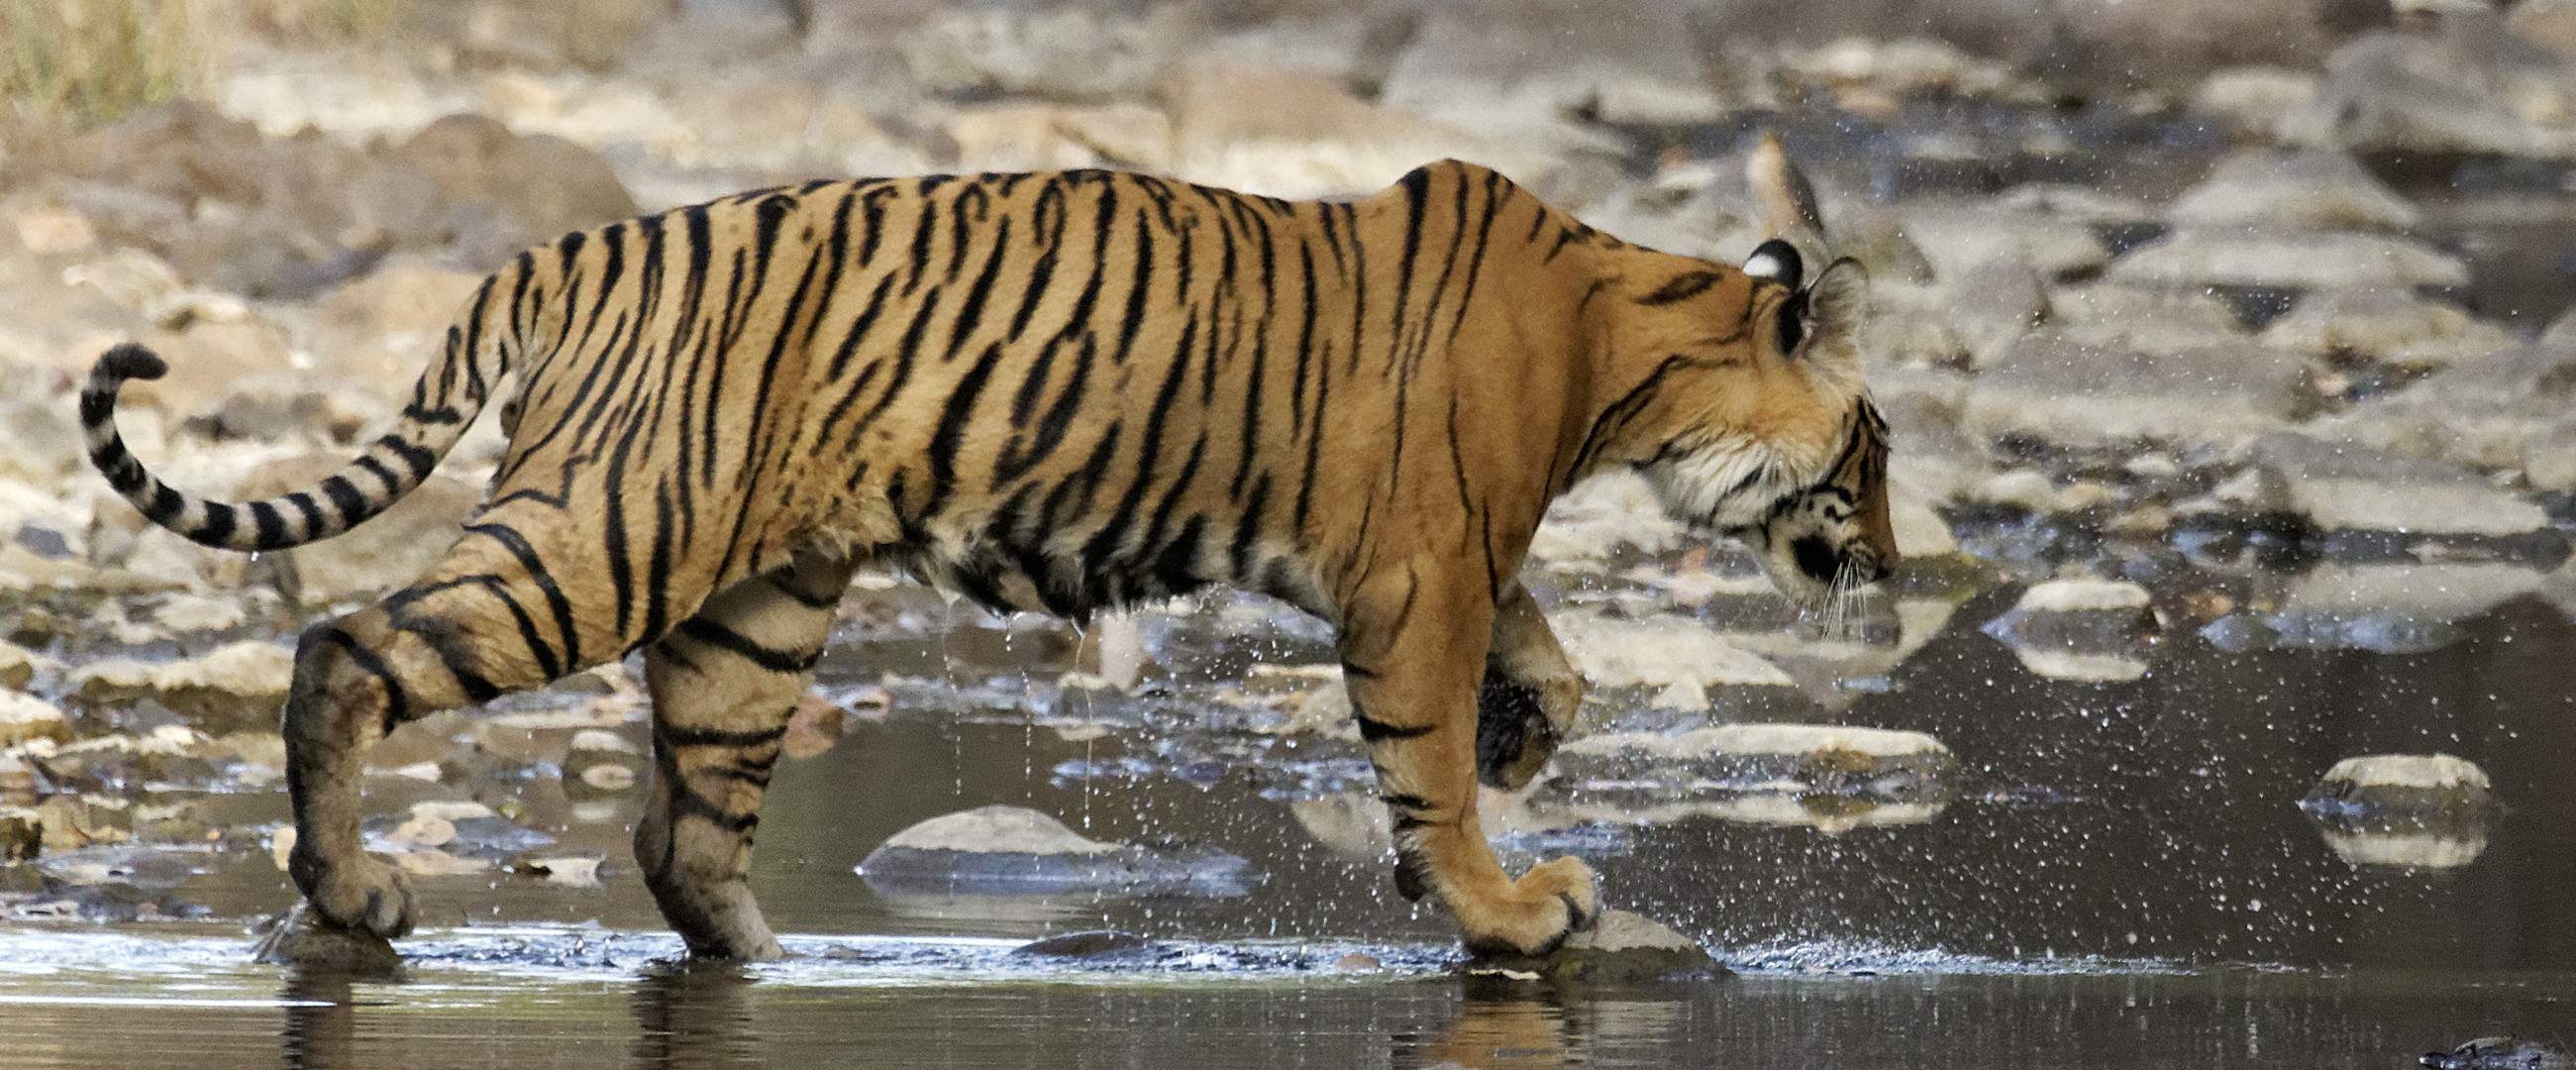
[{"x": 1062, "y": 392}]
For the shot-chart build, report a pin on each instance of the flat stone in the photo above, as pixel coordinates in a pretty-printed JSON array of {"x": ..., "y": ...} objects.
[
  {"x": 1528, "y": 62},
  {"x": 2444, "y": 91},
  {"x": 1011, "y": 850},
  {"x": 2416, "y": 810},
  {"x": 2219, "y": 395},
  {"x": 24, "y": 717},
  {"x": 1620, "y": 948},
  {"x": 2352, "y": 487},
  {"x": 2312, "y": 189},
  {"x": 2482, "y": 414},
  {"x": 2392, "y": 326},
  {"x": 1830, "y": 777},
  {"x": 2306, "y": 260}
]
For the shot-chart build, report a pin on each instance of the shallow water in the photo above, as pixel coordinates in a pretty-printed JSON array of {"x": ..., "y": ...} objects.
[{"x": 2123, "y": 879}]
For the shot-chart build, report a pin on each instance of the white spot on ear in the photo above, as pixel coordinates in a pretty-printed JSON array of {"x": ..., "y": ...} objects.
[{"x": 1764, "y": 265}]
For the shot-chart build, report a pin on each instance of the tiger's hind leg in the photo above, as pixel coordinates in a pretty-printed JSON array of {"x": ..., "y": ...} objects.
[
  {"x": 724, "y": 683},
  {"x": 1527, "y": 703}
]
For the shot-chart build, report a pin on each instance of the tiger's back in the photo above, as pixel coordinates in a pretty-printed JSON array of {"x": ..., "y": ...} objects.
[{"x": 1063, "y": 392}]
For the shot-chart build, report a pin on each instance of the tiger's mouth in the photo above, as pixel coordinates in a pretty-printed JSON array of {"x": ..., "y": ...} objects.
[{"x": 1814, "y": 550}]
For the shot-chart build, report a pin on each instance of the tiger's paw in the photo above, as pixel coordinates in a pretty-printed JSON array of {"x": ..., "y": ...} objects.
[
  {"x": 362, "y": 895},
  {"x": 1518, "y": 726},
  {"x": 1554, "y": 900}
]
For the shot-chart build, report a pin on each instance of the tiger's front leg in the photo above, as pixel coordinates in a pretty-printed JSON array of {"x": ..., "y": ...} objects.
[
  {"x": 724, "y": 684},
  {"x": 1414, "y": 642}
]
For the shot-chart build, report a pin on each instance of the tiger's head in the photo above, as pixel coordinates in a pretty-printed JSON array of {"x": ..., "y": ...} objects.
[{"x": 1754, "y": 420}]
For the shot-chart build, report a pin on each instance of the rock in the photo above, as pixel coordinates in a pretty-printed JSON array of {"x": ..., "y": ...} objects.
[
  {"x": 1620, "y": 948},
  {"x": 303, "y": 940},
  {"x": 2080, "y": 629},
  {"x": 19, "y": 666},
  {"x": 2548, "y": 24},
  {"x": 143, "y": 867},
  {"x": 25, "y": 717},
  {"x": 2255, "y": 99},
  {"x": 1603, "y": 521},
  {"x": 386, "y": 552},
  {"x": 1070, "y": 52},
  {"x": 2548, "y": 463},
  {"x": 2409, "y": 608},
  {"x": 1084, "y": 945},
  {"x": 1681, "y": 658},
  {"x": 2501, "y": 1053},
  {"x": 1996, "y": 303},
  {"x": 1525, "y": 65},
  {"x": 1009, "y": 850},
  {"x": 2052, "y": 390},
  {"x": 2293, "y": 189},
  {"x": 1956, "y": 236},
  {"x": 563, "y": 869},
  {"x": 2417, "y": 810},
  {"x": 514, "y": 191},
  {"x": 2348, "y": 487},
  {"x": 1832, "y": 778},
  {"x": 2303, "y": 260},
  {"x": 40, "y": 440},
  {"x": 376, "y": 333},
  {"x": 600, "y": 763},
  {"x": 2392, "y": 327},
  {"x": 2148, "y": 319},
  {"x": 1286, "y": 133},
  {"x": 2465, "y": 87},
  {"x": 22, "y": 833},
  {"x": 2480, "y": 414},
  {"x": 1025, "y": 137}
]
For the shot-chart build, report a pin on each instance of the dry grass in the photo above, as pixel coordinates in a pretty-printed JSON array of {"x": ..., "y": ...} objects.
[{"x": 85, "y": 62}]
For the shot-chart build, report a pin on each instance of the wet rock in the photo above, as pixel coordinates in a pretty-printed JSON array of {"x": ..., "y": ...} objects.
[
  {"x": 2500, "y": 1053},
  {"x": 2306, "y": 189},
  {"x": 2463, "y": 87},
  {"x": 1287, "y": 133},
  {"x": 1620, "y": 948},
  {"x": 386, "y": 552},
  {"x": 302, "y": 939},
  {"x": 24, "y": 717},
  {"x": 600, "y": 763},
  {"x": 2051, "y": 390},
  {"x": 1068, "y": 52},
  {"x": 563, "y": 869},
  {"x": 2080, "y": 629},
  {"x": 2350, "y": 487},
  {"x": 22, "y": 833},
  {"x": 1958, "y": 236},
  {"x": 1609, "y": 519},
  {"x": 1009, "y": 850},
  {"x": 150, "y": 868},
  {"x": 1352, "y": 824},
  {"x": 1085, "y": 945},
  {"x": 512, "y": 191},
  {"x": 71, "y": 822},
  {"x": 2304, "y": 260},
  {"x": 2409, "y": 608},
  {"x": 1523, "y": 65},
  {"x": 2254, "y": 100},
  {"x": 2549, "y": 24},
  {"x": 2482, "y": 414},
  {"x": 2390, "y": 327},
  {"x": 2418, "y": 810},
  {"x": 1679, "y": 660},
  {"x": 1833, "y": 778}
]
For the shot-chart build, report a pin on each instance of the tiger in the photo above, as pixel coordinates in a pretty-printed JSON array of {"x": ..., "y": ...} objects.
[{"x": 1065, "y": 392}]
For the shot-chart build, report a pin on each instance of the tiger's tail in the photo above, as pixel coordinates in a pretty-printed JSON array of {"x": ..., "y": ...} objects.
[{"x": 444, "y": 403}]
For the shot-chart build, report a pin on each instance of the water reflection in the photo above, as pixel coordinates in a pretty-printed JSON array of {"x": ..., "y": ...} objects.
[
  {"x": 321, "y": 1020},
  {"x": 695, "y": 1015}
]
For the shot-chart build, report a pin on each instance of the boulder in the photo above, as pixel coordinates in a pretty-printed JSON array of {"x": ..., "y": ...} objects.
[
  {"x": 2148, "y": 319},
  {"x": 1011, "y": 850},
  {"x": 1078, "y": 52},
  {"x": 2482, "y": 414},
  {"x": 235, "y": 687},
  {"x": 1528, "y": 64},
  {"x": 2292, "y": 259},
  {"x": 1620, "y": 948},
  {"x": 2079, "y": 629},
  {"x": 1288, "y": 133},
  {"x": 510, "y": 191},
  {"x": 24, "y": 717},
  {"x": 2393, "y": 327},
  {"x": 1833, "y": 778},
  {"x": 2293, "y": 189},
  {"x": 1956, "y": 236},
  {"x": 2407, "y": 608},
  {"x": 2464, "y": 86},
  {"x": 2059, "y": 392},
  {"x": 2427, "y": 811},
  {"x": 2350, "y": 487},
  {"x": 2254, "y": 100}
]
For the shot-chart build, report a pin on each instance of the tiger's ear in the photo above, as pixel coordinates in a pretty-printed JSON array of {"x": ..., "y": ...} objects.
[{"x": 1832, "y": 308}]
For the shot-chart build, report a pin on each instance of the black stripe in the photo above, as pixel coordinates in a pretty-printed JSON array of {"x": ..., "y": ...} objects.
[
  {"x": 676, "y": 736},
  {"x": 535, "y": 567},
  {"x": 1682, "y": 287},
  {"x": 716, "y": 635},
  {"x": 344, "y": 496},
  {"x": 271, "y": 526},
  {"x": 1373, "y": 730}
]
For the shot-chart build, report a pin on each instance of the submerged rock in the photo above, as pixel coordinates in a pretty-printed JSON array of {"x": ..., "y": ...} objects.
[
  {"x": 1011, "y": 850},
  {"x": 1620, "y": 948},
  {"x": 2500, "y": 1053},
  {"x": 1085, "y": 945},
  {"x": 2418, "y": 810},
  {"x": 1833, "y": 778},
  {"x": 2079, "y": 629},
  {"x": 302, "y": 939},
  {"x": 2351, "y": 487}
]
